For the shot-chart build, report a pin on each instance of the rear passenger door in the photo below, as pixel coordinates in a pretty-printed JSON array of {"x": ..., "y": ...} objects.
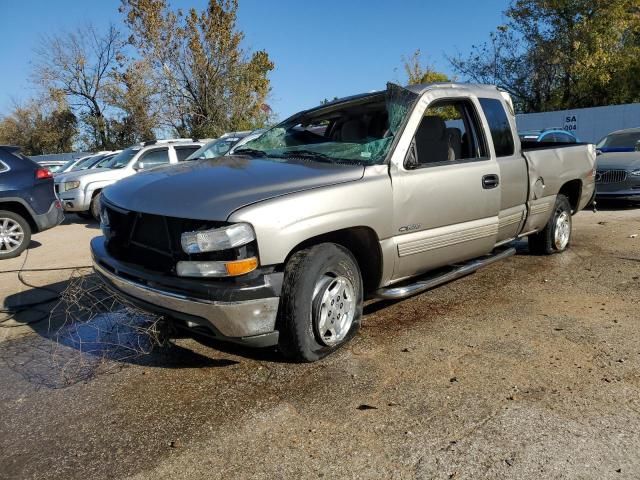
[
  {"x": 514, "y": 176},
  {"x": 446, "y": 192}
]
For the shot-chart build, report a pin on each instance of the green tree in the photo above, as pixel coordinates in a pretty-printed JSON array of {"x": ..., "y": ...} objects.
[
  {"x": 419, "y": 72},
  {"x": 208, "y": 83},
  {"x": 554, "y": 54},
  {"x": 135, "y": 95},
  {"x": 40, "y": 126}
]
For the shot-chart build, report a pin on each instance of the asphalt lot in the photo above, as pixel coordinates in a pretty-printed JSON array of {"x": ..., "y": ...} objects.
[{"x": 528, "y": 369}]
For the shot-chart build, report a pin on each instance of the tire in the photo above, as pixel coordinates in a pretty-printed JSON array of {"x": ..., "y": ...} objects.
[
  {"x": 13, "y": 228},
  {"x": 94, "y": 208},
  {"x": 86, "y": 215},
  {"x": 310, "y": 327},
  {"x": 556, "y": 235}
]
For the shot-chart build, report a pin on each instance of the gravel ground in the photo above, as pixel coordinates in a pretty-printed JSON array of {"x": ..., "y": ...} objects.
[{"x": 528, "y": 369}]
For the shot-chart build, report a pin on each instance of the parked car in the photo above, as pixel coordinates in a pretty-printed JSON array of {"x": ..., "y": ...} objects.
[
  {"x": 548, "y": 135},
  {"x": 52, "y": 165},
  {"x": 384, "y": 195},
  {"x": 618, "y": 166},
  {"x": 27, "y": 202},
  {"x": 80, "y": 191},
  {"x": 620, "y": 141},
  {"x": 219, "y": 146},
  {"x": 80, "y": 163}
]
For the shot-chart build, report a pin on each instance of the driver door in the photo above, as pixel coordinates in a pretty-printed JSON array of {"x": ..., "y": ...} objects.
[{"x": 447, "y": 190}]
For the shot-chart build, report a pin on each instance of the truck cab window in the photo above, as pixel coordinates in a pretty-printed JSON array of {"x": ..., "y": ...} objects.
[
  {"x": 499, "y": 126},
  {"x": 154, "y": 158},
  {"x": 448, "y": 132}
]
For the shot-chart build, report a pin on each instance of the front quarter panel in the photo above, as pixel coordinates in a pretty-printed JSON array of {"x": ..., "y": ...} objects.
[{"x": 284, "y": 222}]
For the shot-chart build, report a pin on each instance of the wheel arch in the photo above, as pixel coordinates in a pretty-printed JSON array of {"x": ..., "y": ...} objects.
[
  {"x": 364, "y": 245},
  {"x": 573, "y": 191},
  {"x": 20, "y": 209}
]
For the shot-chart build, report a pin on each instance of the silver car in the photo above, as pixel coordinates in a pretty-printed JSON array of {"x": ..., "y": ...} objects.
[{"x": 80, "y": 191}]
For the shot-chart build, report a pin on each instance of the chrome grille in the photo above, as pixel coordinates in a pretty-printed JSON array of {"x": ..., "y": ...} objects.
[{"x": 611, "y": 176}]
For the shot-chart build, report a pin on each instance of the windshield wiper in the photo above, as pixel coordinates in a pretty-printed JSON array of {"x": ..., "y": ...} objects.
[
  {"x": 251, "y": 151},
  {"x": 321, "y": 157}
]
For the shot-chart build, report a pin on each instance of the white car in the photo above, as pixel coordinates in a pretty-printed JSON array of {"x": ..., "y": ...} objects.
[{"x": 79, "y": 192}]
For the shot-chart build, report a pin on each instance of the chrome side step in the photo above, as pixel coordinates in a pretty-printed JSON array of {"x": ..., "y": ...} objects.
[{"x": 419, "y": 286}]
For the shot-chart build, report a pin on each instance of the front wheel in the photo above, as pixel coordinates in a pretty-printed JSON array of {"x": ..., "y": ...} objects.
[
  {"x": 321, "y": 303},
  {"x": 556, "y": 235},
  {"x": 94, "y": 208},
  {"x": 15, "y": 234}
]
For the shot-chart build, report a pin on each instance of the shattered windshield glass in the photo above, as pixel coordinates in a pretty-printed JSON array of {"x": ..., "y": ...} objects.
[{"x": 356, "y": 130}]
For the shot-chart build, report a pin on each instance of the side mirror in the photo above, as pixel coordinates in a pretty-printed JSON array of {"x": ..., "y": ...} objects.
[{"x": 139, "y": 166}]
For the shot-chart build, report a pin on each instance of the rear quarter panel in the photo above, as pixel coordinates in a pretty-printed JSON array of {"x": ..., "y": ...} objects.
[{"x": 549, "y": 170}]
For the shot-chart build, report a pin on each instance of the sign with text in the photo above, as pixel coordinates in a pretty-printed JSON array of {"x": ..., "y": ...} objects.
[{"x": 570, "y": 123}]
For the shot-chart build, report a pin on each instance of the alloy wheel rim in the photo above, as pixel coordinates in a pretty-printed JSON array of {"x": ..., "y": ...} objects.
[
  {"x": 562, "y": 231},
  {"x": 334, "y": 308},
  {"x": 11, "y": 235}
]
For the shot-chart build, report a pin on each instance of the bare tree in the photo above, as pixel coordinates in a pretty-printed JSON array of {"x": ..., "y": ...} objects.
[{"x": 81, "y": 64}]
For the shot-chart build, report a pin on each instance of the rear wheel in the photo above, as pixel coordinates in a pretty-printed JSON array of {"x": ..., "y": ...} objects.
[
  {"x": 321, "y": 303},
  {"x": 15, "y": 234},
  {"x": 556, "y": 235}
]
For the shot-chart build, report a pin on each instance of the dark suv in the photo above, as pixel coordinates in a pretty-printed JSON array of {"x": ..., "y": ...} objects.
[{"x": 28, "y": 203}]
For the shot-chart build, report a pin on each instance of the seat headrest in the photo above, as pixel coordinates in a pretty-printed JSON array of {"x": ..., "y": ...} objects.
[
  {"x": 353, "y": 131},
  {"x": 433, "y": 127}
]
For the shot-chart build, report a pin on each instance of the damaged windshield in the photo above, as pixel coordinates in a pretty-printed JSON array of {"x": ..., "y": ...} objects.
[{"x": 356, "y": 130}]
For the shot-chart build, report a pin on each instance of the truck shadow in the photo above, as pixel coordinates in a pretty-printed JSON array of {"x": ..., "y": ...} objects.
[
  {"x": 72, "y": 331},
  {"x": 615, "y": 205}
]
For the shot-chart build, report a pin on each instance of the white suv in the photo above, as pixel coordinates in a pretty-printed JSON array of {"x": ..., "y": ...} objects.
[{"x": 79, "y": 192}]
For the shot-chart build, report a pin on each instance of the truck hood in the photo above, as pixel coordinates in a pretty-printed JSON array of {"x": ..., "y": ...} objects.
[
  {"x": 213, "y": 189},
  {"x": 92, "y": 175},
  {"x": 623, "y": 161}
]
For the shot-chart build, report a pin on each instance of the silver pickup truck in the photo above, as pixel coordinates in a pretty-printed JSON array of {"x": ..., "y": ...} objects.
[{"x": 385, "y": 194}]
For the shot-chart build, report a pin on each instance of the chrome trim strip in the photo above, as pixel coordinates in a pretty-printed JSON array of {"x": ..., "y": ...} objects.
[
  {"x": 540, "y": 208},
  {"x": 510, "y": 219},
  {"x": 447, "y": 240},
  {"x": 395, "y": 293},
  {"x": 231, "y": 319}
]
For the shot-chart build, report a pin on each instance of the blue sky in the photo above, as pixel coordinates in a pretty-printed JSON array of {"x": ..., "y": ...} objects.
[{"x": 321, "y": 49}]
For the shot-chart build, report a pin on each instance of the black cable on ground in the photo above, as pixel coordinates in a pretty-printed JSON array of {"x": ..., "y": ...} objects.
[{"x": 22, "y": 307}]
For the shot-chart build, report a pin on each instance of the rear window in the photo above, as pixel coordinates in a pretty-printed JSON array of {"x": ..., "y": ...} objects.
[
  {"x": 499, "y": 126},
  {"x": 183, "y": 152}
]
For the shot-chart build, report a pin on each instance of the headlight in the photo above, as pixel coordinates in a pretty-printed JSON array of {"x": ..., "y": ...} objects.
[
  {"x": 105, "y": 224},
  {"x": 231, "y": 268},
  {"x": 217, "y": 239},
  {"x": 636, "y": 173},
  {"x": 66, "y": 186}
]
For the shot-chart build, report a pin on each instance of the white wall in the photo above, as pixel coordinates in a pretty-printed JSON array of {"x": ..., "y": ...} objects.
[{"x": 591, "y": 124}]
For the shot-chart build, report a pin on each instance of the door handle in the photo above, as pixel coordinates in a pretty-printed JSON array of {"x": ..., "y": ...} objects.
[{"x": 490, "y": 181}]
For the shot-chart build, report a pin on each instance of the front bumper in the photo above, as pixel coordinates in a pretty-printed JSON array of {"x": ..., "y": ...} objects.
[
  {"x": 53, "y": 217},
  {"x": 240, "y": 314},
  {"x": 627, "y": 188},
  {"x": 73, "y": 200},
  {"x": 633, "y": 195}
]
